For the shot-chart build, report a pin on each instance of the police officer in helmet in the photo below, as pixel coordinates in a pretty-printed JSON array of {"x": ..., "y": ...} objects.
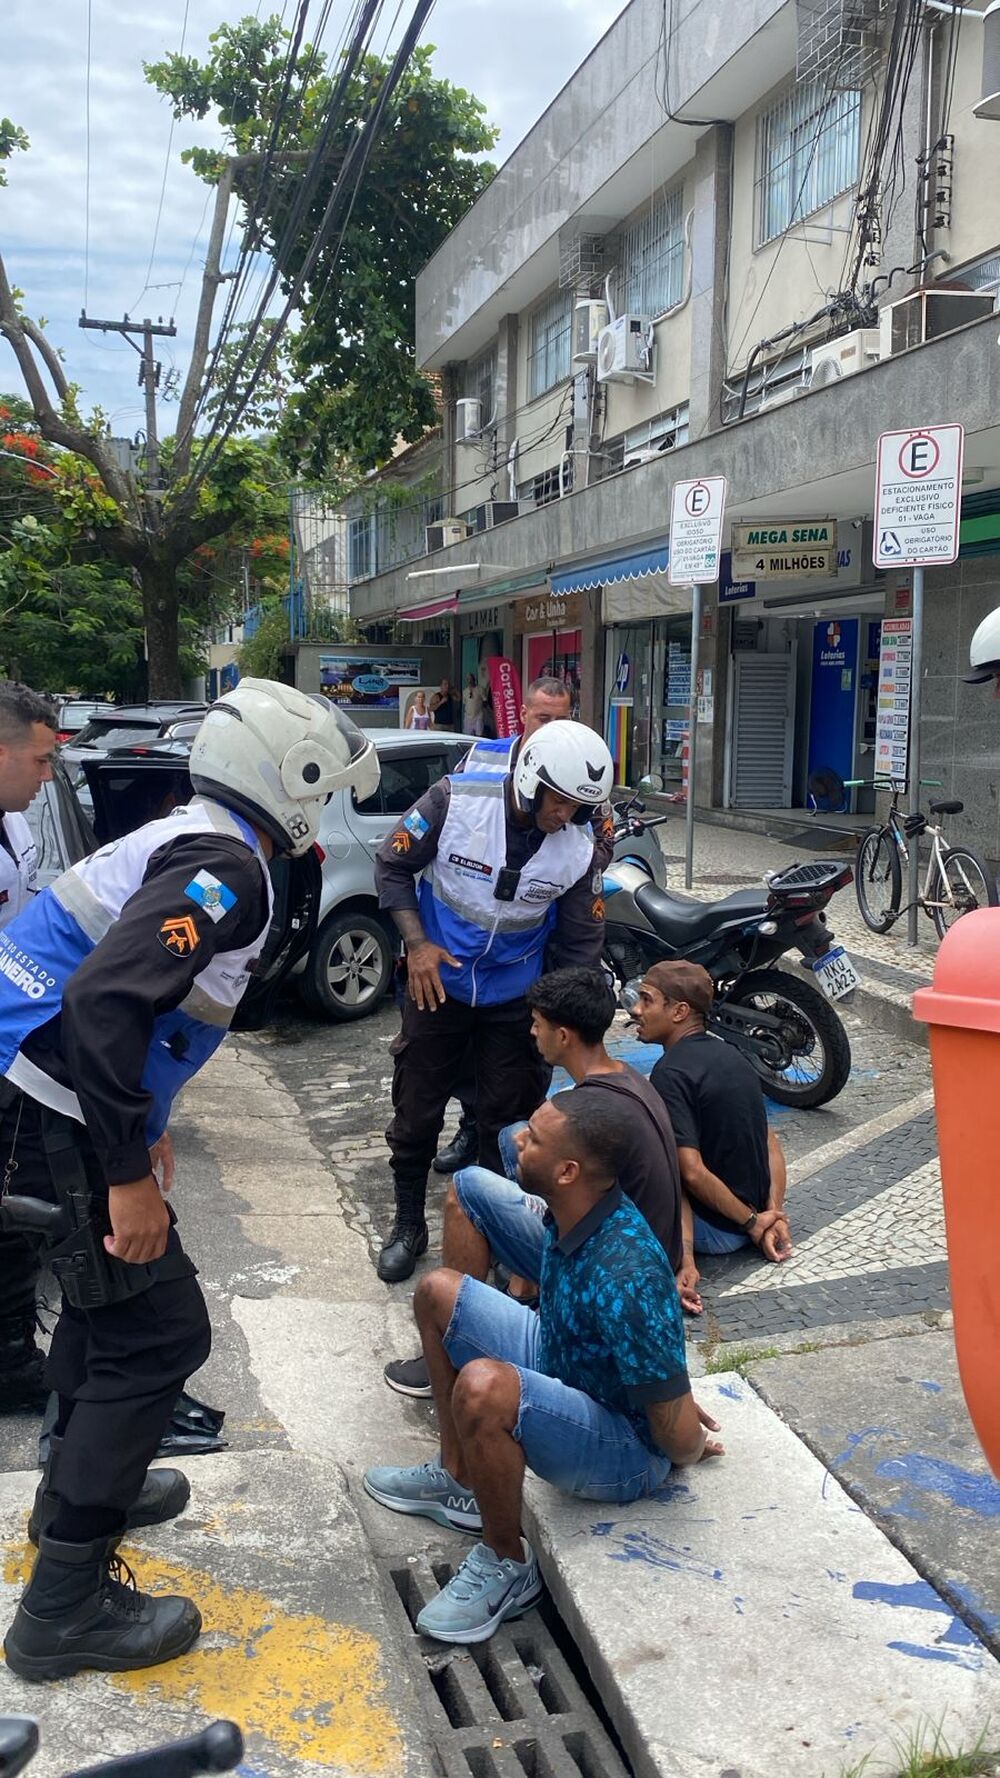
[{"x": 117, "y": 985}]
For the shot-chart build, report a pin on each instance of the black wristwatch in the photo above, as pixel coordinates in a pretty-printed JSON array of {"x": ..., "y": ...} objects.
[{"x": 745, "y": 1227}]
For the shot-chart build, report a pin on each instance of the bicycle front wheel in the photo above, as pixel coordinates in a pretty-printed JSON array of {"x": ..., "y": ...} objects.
[
  {"x": 964, "y": 884},
  {"x": 878, "y": 879}
]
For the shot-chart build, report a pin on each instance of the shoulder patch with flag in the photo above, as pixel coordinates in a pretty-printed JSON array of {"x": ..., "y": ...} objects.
[
  {"x": 211, "y": 895},
  {"x": 416, "y": 824}
]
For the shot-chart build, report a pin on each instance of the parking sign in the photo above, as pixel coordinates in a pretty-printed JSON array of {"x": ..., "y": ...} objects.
[
  {"x": 918, "y": 497},
  {"x": 696, "y": 514}
]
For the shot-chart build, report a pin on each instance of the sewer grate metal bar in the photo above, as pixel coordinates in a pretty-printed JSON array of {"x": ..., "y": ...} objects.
[{"x": 507, "y": 1708}]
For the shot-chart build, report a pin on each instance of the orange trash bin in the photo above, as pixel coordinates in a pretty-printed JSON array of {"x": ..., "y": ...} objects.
[{"x": 962, "y": 1010}]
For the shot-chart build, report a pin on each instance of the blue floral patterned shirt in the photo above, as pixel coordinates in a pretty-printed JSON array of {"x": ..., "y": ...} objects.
[{"x": 610, "y": 1319}]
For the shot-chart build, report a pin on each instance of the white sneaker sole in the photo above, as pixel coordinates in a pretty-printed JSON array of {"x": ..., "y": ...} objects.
[
  {"x": 482, "y": 1632},
  {"x": 426, "y": 1509}
]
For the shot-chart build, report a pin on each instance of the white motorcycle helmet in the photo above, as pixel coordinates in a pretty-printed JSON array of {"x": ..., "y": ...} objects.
[
  {"x": 274, "y": 755},
  {"x": 567, "y": 757},
  {"x": 984, "y": 650}
]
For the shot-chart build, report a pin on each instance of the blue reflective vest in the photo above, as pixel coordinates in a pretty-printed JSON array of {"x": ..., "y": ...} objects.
[{"x": 41, "y": 950}]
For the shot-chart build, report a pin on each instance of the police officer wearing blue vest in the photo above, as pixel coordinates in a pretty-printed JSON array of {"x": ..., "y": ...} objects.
[
  {"x": 116, "y": 986},
  {"x": 507, "y": 888}
]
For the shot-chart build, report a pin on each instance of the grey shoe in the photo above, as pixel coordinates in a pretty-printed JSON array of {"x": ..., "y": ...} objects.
[
  {"x": 481, "y": 1595},
  {"x": 427, "y": 1490},
  {"x": 409, "y": 1376}
]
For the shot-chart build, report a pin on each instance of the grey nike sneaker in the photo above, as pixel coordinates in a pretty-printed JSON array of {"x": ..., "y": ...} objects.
[
  {"x": 481, "y": 1595},
  {"x": 427, "y": 1490}
]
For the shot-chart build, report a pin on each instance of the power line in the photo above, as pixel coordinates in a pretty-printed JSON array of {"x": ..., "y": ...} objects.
[
  {"x": 163, "y": 181},
  {"x": 86, "y": 203}
]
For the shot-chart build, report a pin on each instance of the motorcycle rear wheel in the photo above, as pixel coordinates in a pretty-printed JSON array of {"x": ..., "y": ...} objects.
[{"x": 819, "y": 1049}]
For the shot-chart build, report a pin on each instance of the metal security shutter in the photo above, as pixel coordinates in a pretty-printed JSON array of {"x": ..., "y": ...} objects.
[{"x": 764, "y": 695}]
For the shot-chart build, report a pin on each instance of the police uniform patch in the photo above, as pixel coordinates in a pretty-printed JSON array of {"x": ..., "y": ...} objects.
[
  {"x": 179, "y": 936},
  {"x": 416, "y": 824},
  {"x": 211, "y": 895},
  {"x": 401, "y": 841},
  {"x": 597, "y": 910}
]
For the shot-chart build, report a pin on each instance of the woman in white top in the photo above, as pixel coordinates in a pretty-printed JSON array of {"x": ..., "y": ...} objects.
[{"x": 418, "y": 716}]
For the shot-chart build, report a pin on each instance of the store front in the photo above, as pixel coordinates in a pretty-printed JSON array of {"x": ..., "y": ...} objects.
[{"x": 549, "y": 639}]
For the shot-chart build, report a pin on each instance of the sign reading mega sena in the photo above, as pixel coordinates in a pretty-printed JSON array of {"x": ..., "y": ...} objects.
[{"x": 796, "y": 550}]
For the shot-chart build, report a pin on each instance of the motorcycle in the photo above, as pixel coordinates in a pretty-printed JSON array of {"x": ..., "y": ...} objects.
[{"x": 788, "y": 1030}]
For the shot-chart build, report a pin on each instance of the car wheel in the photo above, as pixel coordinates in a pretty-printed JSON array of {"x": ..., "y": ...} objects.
[{"x": 349, "y": 967}]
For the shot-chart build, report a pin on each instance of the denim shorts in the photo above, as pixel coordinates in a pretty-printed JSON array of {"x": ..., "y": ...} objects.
[
  {"x": 507, "y": 1144},
  {"x": 568, "y": 1438},
  {"x": 510, "y": 1219},
  {"x": 709, "y": 1239}
]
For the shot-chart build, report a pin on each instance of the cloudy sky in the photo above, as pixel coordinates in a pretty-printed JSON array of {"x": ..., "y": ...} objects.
[{"x": 514, "y": 56}]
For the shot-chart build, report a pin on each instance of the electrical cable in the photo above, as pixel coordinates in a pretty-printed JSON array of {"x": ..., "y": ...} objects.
[{"x": 163, "y": 181}]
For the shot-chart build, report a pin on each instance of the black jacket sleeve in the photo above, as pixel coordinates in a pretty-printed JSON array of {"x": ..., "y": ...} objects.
[
  {"x": 578, "y": 936},
  {"x": 410, "y": 848},
  {"x": 144, "y": 966}
]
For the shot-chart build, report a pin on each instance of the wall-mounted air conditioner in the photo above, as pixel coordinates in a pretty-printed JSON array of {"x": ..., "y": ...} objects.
[
  {"x": 468, "y": 419},
  {"x": 646, "y": 455},
  {"x": 841, "y": 357},
  {"x": 492, "y": 512},
  {"x": 589, "y": 320},
  {"x": 625, "y": 349},
  {"x": 446, "y": 531},
  {"x": 927, "y": 314}
]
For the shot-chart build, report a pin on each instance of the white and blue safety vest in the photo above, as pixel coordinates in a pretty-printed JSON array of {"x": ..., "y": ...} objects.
[
  {"x": 64, "y": 924},
  {"x": 18, "y": 867},
  {"x": 491, "y": 759},
  {"x": 500, "y": 945}
]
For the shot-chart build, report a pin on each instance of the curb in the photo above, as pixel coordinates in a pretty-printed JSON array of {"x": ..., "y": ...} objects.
[{"x": 888, "y": 1009}]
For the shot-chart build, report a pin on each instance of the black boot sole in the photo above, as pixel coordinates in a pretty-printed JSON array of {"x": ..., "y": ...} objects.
[
  {"x": 393, "y": 1275},
  {"x": 36, "y": 1669}
]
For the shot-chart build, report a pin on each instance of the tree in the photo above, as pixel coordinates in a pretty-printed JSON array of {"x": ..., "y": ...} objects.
[{"x": 353, "y": 350}]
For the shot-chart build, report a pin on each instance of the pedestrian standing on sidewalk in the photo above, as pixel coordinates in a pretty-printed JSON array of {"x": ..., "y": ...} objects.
[
  {"x": 28, "y": 725},
  {"x": 444, "y": 706},
  {"x": 506, "y": 868},
  {"x": 732, "y": 1166},
  {"x": 591, "y": 1394},
  {"x": 473, "y": 707},
  {"x": 116, "y": 986}
]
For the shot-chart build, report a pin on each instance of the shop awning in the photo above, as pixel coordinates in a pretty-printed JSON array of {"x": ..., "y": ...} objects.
[
  {"x": 607, "y": 573},
  {"x": 417, "y": 614}
]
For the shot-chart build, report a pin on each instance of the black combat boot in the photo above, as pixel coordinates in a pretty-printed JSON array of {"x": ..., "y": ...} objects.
[
  {"x": 463, "y": 1149},
  {"x": 21, "y": 1365},
  {"x": 163, "y": 1495},
  {"x": 408, "y": 1237},
  {"x": 82, "y": 1609}
]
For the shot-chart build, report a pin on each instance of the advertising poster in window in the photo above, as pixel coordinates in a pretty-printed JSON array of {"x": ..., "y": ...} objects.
[
  {"x": 478, "y": 715},
  {"x": 556, "y": 655},
  {"x": 374, "y": 684},
  {"x": 892, "y": 722}
]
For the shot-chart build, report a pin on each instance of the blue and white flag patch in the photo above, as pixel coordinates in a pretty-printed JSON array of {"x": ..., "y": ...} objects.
[
  {"x": 211, "y": 895},
  {"x": 416, "y": 824}
]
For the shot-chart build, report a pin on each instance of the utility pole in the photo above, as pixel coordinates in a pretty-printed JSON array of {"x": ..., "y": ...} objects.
[{"x": 149, "y": 376}]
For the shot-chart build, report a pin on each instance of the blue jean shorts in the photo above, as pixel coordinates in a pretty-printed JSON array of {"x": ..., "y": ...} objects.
[
  {"x": 510, "y": 1219},
  {"x": 568, "y": 1438},
  {"x": 709, "y": 1239}
]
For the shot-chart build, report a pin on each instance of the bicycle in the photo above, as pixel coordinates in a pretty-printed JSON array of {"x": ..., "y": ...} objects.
[
  {"x": 956, "y": 882},
  {"x": 218, "y": 1748}
]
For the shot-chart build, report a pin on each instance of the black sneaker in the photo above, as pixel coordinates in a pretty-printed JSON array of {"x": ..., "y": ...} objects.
[{"x": 408, "y": 1376}]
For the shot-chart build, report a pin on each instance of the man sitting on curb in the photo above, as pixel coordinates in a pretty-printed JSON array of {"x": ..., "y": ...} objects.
[
  {"x": 592, "y": 1393},
  {"x": 732, "y": 1166},
  {"x": 484, "y": 1214}
]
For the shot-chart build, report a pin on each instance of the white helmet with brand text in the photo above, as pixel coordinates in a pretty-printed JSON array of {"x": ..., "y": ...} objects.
[
  {"x": 566, "y": 757},
  {"x": 984, "y": 651},
  {"x": 274, "y": 755}
]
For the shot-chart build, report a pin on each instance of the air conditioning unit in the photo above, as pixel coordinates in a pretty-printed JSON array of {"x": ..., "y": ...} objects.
[
  {"x": 927, "y": 314},
  {"x": 493, "y": 512},
  {"x": 780, "y": 397},
  {"x": 445, "y": 532},
  {"x": 589, "y": 321},
  {"x": 646, "y": 455},
  {"x": 841, "y": 357},
  {"x": 625, "y": 349},
  {"x": 468, "y": 419}
]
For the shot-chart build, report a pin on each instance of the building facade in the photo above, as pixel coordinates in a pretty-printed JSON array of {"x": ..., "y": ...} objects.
[{"x": 743, "y": 240}]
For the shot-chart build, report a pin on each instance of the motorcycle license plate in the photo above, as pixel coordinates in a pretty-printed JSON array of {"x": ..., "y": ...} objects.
[{"x": 835, "y": 973}]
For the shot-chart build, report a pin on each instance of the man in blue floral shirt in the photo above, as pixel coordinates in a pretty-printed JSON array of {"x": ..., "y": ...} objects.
[{"x": 592, "y": 1393}]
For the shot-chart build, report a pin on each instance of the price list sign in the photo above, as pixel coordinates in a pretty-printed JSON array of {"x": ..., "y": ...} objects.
[{"x": 892, "y": 726}]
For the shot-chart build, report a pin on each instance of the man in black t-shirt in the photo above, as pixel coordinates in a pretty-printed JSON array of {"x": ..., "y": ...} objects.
[
  {"x": 486, "y": 1213},
  {"x": 732, "y": 1166}
]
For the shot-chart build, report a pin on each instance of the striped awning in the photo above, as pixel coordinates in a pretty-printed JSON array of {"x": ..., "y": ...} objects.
[
  {"x": 418, "y": 614},
  {"x": 631, "y": 567}
]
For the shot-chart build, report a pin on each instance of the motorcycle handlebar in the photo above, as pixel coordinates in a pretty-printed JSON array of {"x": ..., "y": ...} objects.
[{"x": 216, "y": 1749}]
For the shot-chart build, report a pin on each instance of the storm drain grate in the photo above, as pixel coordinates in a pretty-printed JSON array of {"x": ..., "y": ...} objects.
[{"x": 508, "y": 1708}]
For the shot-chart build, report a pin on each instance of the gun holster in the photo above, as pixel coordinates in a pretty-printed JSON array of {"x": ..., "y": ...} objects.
[{"x": 74, "y": 1227}]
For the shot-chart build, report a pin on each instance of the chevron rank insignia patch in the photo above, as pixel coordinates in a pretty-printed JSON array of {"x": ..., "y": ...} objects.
[{"x": 179, "y": 936}]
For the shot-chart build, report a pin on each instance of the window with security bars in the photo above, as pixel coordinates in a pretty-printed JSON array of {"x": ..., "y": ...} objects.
[
  {"x": 542, "y": 489},
  {"x": 361, "y": 548},
  {"x": 480, "y": 382},
  {"x": 808, "y": 145},
  {"x": 549, "y": 343},
  {"x": 652, "y": 258}
]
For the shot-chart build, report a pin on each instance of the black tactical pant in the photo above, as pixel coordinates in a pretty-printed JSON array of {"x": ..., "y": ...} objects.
[
  {"x": 430, "y": 1055},
  {"x": 117, "y": 1369}
]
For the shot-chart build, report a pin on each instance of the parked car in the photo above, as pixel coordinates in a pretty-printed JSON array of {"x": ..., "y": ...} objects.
[
  {"x": 125, "y": 725},
  {"x": 75, "y": 713},
  {"x": 61, "y": 829}
]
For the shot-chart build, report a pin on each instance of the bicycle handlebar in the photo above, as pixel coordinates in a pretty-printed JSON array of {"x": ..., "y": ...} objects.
[{"x": 888, "y": 783}]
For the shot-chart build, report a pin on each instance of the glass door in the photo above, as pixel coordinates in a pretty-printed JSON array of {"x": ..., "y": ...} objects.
[{"x": 629, "y": 700}]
